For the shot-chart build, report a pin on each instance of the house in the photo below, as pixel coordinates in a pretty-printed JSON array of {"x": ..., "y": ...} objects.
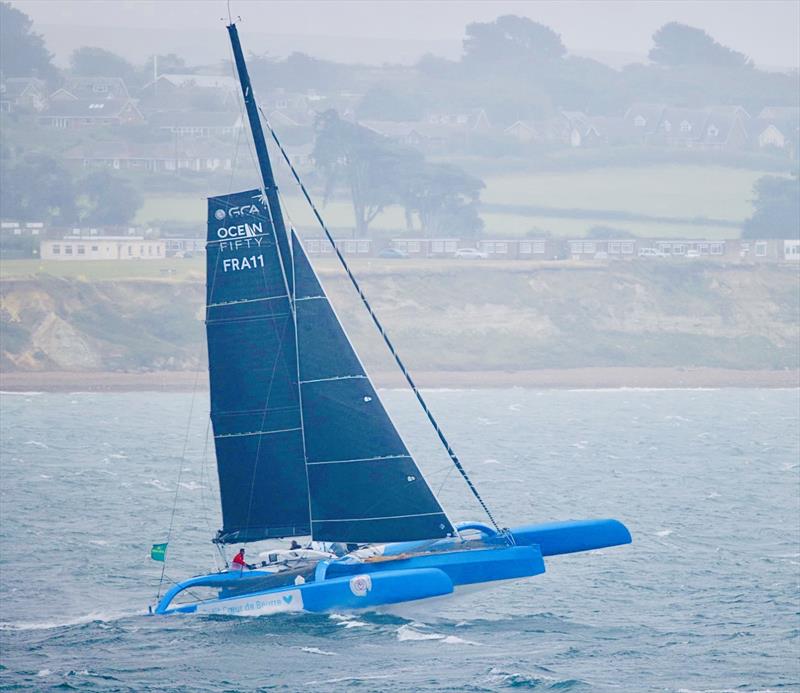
[
  {"x": 190, "y": 155},
  {"x": 715, "y": 128},
  {"x": 683, "y": 247},
  {"x": 725, "y": 129},
  {"x": 754, "y": 251},
  {"x": 472, "y": 120},
  {"x": 169, "y": 81},
  {"x": 9, "y": 229},
  {"x": 92, "y": 88},
  {"x": 777, "y": 128},
  {"x": 791, "y": 251},
  {"x": 527, "y": 249},
  {"x": 437, "y": 132},
  {"x": 173, "y": 92},
  {"x": 680, "y": 128},
  {"x": 22, "y": 94},
  {"x": 103, "y": 248},
  {"x": 198, "y": 123},
  {"x": 80, "y": 113},
  {"x": 522, "y": 130},
  {"x": 767, "y": 135},
  {"x": 643, "y": 119},
  {"x": 418, "y": 134},
  {"x": 426, "y": 247},
  {"x": 540, "y": 249},
  {"x": 567, "y": 128},
  {"x": 347, "y": 246},
  {"x": 184, "y": 246},
  {"x": 296, "y": 107},
  {"x": 602, "y": 248}
]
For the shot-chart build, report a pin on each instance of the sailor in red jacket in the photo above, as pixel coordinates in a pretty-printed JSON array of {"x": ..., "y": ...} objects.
[{"x": 239, "y": 563}]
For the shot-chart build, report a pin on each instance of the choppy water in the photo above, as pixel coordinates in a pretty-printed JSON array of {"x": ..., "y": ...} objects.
[{"x": 706, "y": 599}]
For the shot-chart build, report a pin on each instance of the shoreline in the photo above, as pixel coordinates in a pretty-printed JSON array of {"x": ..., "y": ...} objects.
[{"x": 567, "y": 378}]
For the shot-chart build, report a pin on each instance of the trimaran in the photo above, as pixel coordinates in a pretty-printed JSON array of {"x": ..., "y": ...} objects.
[{"x": 305, "y": 448}]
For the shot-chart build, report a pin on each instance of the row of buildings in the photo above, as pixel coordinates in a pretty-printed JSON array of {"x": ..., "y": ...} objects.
[
  {"x": 545, "y": 249},
  {"x": 716, "y": 128},
  {"x": 149, "y": 244},
  {"x": 189, "y": 114}
]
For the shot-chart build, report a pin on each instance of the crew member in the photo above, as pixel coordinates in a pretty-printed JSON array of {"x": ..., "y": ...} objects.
[{"x": 239, "y": 563}]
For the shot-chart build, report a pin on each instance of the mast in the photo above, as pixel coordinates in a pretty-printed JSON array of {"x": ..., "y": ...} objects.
[{"x": 264, "y": 165}]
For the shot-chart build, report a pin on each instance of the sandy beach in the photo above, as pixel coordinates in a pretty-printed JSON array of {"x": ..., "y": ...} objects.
[{"x": 601, "y": 378}]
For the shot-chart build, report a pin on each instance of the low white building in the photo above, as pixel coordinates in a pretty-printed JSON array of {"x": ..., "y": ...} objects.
[
  {"x": 103, "y": 248},
  {"x": 791, "y": 251}
]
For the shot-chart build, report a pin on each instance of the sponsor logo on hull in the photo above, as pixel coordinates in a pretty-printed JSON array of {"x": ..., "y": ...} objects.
[{"x": 275, "y": 603}]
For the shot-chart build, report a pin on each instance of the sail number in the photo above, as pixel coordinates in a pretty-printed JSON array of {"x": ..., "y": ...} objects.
[{"x": 235, "y": 264}]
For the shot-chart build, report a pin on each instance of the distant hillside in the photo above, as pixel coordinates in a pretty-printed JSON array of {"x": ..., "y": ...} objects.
[{"x": 443, "y": 316}]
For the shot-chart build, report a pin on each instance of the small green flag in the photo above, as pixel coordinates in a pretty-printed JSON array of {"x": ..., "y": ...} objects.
[{"x": 158, "y": 552}]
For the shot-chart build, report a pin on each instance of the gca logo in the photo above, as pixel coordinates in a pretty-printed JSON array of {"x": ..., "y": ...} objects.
[
  {"x": 219, "y": 214},
  {"x": 244, "y": 209}
]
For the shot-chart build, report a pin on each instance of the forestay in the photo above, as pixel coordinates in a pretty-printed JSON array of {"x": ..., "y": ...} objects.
[{"x": 255, "y": 407}]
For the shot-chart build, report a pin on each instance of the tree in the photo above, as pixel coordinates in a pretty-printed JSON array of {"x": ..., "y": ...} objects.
[
  {"x": 777, "y": 209},
  {"x": 36, "y": 188},
  {"x": 677, "y": 44},
  {"x": 108, "y": 199},
  {"x": 444, "y": 197},
  {"x": 369, "y": 164},
  {"x": 22, "y": 52},
  {"x": 512, "y": 39},
  {"x": 90, "y": 61}
]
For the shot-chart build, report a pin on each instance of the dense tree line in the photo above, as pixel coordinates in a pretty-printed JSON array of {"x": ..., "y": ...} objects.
[
  {"x": 37, "y": 187},
  {"x": 378, "y": 173}
]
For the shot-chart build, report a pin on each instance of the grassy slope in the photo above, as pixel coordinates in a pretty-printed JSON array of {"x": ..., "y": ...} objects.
[
  {"x": 713, "y": 192},
  {"x": 442, "y": 316}
]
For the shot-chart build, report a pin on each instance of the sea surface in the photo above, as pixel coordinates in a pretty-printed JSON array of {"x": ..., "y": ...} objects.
[{"x": 705, "y": 599}]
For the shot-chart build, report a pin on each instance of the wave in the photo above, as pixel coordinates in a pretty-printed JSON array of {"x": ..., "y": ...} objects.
[
  {"x": 93, "y": 617},
  {"x": 316, "y": 650},
  {"x": 407, "y": 633},
  {"x": 352, "y": 679}
]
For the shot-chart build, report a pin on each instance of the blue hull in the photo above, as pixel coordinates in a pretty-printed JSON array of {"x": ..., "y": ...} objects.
[{"x": 406, "y": 572}]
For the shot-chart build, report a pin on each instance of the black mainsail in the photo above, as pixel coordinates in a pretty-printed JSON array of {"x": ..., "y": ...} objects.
[{"x": 252, "y": 363}]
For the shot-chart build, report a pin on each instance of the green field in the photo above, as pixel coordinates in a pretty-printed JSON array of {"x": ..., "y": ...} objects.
[
  {"x": 671, "y": 192},
  {"x": 714, "y": 192}
]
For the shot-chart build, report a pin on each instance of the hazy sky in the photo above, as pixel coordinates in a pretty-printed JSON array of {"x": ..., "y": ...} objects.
[{"x": 399, "y": 31}]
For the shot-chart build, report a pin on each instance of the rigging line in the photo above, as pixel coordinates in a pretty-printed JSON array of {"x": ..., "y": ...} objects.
[
  {"x": 385, "y": 336},
  {"x": 182, "y": 461},
  {"x": 203, "y": 499},
  {"x": 178, "y": 483}
]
